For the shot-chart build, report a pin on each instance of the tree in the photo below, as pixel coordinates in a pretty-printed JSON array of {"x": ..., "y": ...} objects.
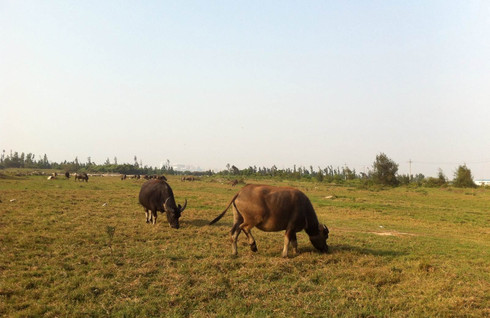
[
  {"x": 235, "y": 170},
  {"x": 348, "y": 173},
  {"x": 463, "y": 178},
  {"x": 136, "y": 165},
  {"x": 319, "y": 175},
  {"x": 384, "y": 170}
]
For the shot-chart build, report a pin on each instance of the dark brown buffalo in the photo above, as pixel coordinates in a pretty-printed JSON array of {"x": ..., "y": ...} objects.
[
  {"x": 156, "y": 195},
  {"x": 273, "y": 209},
  {"x": 67, "y": 175},
  {"x": 81, "y": 176}
]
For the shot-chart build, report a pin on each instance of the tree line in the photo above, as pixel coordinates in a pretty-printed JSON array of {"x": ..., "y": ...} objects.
[
  {"x": 384, "y": 171},
  {"x": 22, "y": 160}
]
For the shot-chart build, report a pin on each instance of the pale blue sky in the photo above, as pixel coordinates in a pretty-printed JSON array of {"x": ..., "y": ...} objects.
[{"x": 208, "y": 83}]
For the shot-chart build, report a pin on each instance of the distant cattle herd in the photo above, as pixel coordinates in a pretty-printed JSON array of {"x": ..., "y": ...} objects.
[{"x": 267, "y": 208}]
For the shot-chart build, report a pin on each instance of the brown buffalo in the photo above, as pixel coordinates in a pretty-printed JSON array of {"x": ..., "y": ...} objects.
[
  {"x": 273, "y": 209},
  {"x": 81, "y": 176},
  {"x": 156, "y": 195}
]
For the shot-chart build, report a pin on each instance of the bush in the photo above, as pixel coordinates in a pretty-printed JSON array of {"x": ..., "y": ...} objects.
[
  {"x": 463, "y": 178},
  {"x": 440, "y": 181}
]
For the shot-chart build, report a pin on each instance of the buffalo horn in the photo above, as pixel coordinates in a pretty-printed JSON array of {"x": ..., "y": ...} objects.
[
  {"x": 165, "y": 204},
  {"x": 185, "y": 204}
]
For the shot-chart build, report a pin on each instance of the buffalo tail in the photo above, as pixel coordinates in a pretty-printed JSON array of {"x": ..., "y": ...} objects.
[{"x": 223, "y": 213}]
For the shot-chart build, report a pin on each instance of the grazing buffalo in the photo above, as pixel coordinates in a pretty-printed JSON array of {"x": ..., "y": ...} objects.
[
  {"x": 274, "y": 209},
  {"x": 156, "y": 195},
  {"x": 81, "y": 176}
]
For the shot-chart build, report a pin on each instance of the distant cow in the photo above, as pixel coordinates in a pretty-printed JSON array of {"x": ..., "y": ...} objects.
[
  {"x": 123, "y": 177},
  {"x": 81, "y": 176},
  {"x": 156, "y": 195},
  {"x": 67, "y": 175},
  {"x": 234, "y": 182},
  {"x": 273, "y": 209},
  {"x": 188, "y": 178}
]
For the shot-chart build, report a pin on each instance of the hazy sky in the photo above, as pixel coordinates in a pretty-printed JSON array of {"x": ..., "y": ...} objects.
[{"x": 208, "y": 83}]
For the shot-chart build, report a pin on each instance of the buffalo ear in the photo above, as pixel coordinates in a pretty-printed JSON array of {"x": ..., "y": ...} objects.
[{"x": 325, "y": 230}]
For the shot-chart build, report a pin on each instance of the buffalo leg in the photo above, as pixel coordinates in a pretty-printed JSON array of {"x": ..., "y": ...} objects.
[
  {"x": 235, "y": 231},
  {"x": 154, "y": 215},
  {"x": 247, "y": 229},
  {"x": 147, "y": 216},
  {"x": 290, "y": 238},
  {"x": 294, "y": 242}
]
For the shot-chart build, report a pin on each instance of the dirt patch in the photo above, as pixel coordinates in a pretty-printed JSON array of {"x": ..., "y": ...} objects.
[
  {"x": 384, "y": 233},
  {"x": 394, "y": 233}
]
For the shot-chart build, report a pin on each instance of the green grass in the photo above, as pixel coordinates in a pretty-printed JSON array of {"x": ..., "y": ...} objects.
[{"x": 402, "y": 252}]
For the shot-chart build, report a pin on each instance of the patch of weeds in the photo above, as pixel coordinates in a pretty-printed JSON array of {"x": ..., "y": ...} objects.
[
  {"x": 96, "y": 291},
  {"x": 30, "y": 285},
  {"x": 426, "y": 267}
]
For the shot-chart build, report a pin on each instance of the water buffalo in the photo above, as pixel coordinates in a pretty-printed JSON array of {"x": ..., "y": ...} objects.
[
  {"x": 156, "y": 195},
  {"x": 81, "y": 176},
  {"x": 274, "y": 209}
]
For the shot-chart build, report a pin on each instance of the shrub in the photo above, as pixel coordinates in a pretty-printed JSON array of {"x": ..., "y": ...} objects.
[{"x": 463, "y": 178}]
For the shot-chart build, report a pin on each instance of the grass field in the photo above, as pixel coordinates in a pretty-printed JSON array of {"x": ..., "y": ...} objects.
[{"x": 76, "y": 249}]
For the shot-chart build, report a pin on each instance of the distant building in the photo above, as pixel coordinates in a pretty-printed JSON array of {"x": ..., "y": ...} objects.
[
  {"x": 482, "y": 182},
  {"x": 182, "y": 168}
]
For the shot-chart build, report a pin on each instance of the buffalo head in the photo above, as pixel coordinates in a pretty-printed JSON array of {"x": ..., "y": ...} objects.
[
  {"x": 319, "y": 241},
  {"x": 174, "y": 212}
]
